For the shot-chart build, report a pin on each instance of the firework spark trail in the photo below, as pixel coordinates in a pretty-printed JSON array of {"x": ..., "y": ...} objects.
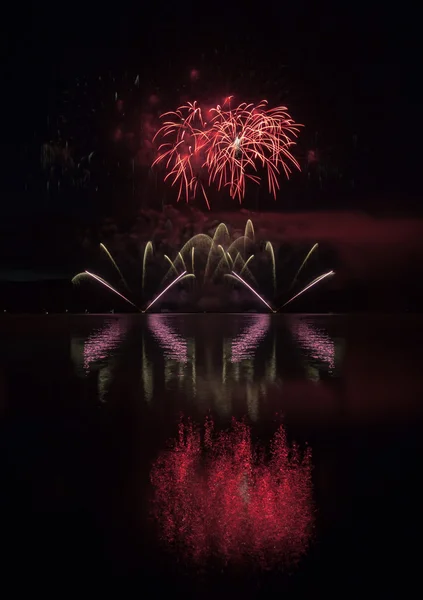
[
  {"x": 243, "y": 266},
  {"x": 246, "y": 264},
  {"x": 172, "y": 264},
  {"x": 187, "y": 276},
  {"x": 249, "y": 230},
  {"x": 253, "y": 290},
  {"x": 236, "y": 247},
  {"x": 103, "y": 247},
  {"x": 205, "y": 196},
  {"x": 238, "y": 258},
  {"x": 103, "y": 282},
  {"x": 228, "y": 149},
  {"x": 248, "y": 234},
  {"x": 269, "y": 248},
  {"x": 219, "y": 247},
  {"x": 200, "y": 241},
  {"x": 76, "y": 279},
  {"x": 303, "y": 264},
  {"x": 182, "y": 260},
  {"x": 317, "y": 280},
  {"x": 225, "y": 261},
  {"x": 224, "y": 255},
  {"x": 147, "y": 250},
  {"x": 220, "y": 236},
  {"x": 165, "y": 290}
]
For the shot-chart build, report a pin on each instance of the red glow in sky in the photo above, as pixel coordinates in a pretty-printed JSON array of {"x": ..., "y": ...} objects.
[
  {"x": 194, "y": 74},
  {"x": 220, "y": 497},
  {"x": 154, "y": 99}
]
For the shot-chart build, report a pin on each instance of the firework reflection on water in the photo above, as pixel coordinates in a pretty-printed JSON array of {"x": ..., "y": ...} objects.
[{"x": 218, "y": 496}]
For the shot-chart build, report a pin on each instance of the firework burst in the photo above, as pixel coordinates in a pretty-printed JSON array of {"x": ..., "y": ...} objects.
[
  {"x": 246, "y": 137},
  {"x": 181, "y": 151},
  {"x": 227, "y": 148}
]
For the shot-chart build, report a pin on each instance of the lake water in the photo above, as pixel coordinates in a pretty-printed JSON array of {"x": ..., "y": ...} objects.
[{"x": 95, "y": 490}]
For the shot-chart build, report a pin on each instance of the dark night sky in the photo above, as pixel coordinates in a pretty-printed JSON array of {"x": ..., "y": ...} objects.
[
  {"x": 351, "y": 65},
  {"x": 345, "y": 67}
]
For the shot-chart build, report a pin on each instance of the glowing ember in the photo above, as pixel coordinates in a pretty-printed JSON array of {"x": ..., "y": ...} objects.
[
  {"x": 226, "y": 146},
  {"x": 220, "y": 497}
]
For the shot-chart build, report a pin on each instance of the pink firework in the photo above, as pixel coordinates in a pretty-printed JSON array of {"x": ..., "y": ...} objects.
[{"x": 227, "y": 148}]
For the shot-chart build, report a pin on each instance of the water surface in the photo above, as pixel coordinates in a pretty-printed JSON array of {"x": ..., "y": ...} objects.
[{"x": 89, "y": 403}]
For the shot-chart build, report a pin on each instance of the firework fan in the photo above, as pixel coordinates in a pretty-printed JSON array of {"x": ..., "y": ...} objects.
[{"x": 227, "y": 148}]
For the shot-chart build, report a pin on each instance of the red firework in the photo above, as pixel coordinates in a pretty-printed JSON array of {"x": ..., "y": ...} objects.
[
  {"x": 246, "y": 136},
  {"x": 229, "y": 148},
  {"x": 183, "y": 154},
  {"x": 222, "y": 498}
]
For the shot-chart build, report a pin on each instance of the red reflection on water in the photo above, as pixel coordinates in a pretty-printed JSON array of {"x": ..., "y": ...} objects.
[{"x": 221, "y": 497}]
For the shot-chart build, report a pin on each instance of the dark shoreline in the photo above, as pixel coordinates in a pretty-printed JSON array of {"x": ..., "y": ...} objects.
[{"x": 60, "y": 296}]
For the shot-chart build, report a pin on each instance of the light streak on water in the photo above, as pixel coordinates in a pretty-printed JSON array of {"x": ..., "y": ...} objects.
[
  {"x": 316, "y": 341},
  {"x": 245, "y": 344},
  {"x": 173, "y": 344},
  {"x": 100, "y": 343}
]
